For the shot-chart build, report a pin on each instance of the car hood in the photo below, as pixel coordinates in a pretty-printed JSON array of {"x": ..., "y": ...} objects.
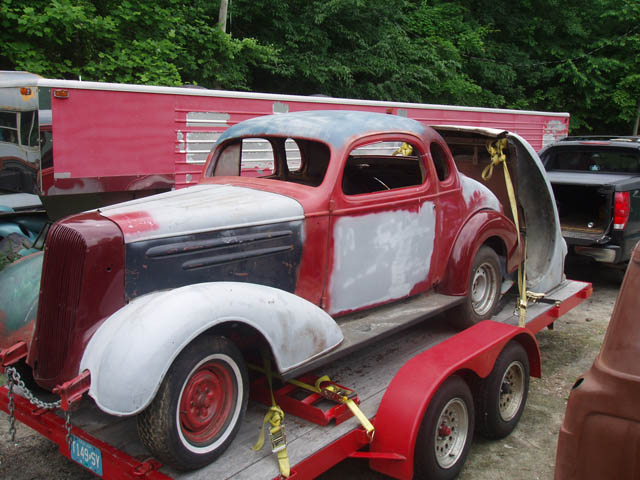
[{"x": 201, "y": 208}]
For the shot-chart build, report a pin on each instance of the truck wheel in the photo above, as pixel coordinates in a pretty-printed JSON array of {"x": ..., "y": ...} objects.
[
  {"x": 199, "y": 406},
  {"x": 484, "y": 290},
  {"x": 446, "y": 432},
  {"x": 501, "y": 397}
]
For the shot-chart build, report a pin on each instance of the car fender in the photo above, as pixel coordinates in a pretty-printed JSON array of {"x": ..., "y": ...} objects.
[
  {"x": 476, "y": 231},
  {"x": 470, "y": 354},
  {"x": 130, "y": 353}
]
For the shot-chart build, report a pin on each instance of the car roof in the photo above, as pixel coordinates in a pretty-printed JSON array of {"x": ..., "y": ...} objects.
[
  {"x": 334, "y": 127},
  {"x": 600, "y": 140}
]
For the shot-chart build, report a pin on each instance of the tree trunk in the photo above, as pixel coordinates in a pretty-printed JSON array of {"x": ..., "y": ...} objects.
[
  {"x": 635, "y": 127},
  {"x": 222, "y": 15}
]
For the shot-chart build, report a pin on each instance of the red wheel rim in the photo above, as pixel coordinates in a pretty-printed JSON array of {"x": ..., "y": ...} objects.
[{"x": 206, "y": 403}]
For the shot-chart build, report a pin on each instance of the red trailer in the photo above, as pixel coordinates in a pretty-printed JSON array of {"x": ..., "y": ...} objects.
[
  {"x": 102, "y": 143},
  {"x": 413, "y": 387}
]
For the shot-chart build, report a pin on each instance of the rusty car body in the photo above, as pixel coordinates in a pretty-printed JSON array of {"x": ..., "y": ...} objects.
[{"x": 600, "y": 434}]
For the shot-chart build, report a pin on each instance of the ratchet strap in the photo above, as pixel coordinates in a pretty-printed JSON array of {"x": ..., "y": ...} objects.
[
  {"x": 496, "y": 150},
  {"x": 329, "y": 390},
  {"x": 274, "y": 417}
]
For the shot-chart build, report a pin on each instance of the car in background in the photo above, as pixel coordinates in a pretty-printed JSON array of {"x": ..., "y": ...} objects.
[
  {"x": 596, "y": 184},
  {"x": 600, "y": 435}
]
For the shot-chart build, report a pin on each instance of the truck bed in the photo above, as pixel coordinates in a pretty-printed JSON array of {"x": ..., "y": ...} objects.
[{"x": 368, "y": 371}]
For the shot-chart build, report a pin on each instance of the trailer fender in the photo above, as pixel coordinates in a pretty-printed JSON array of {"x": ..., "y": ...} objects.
[
  {"x": 132, "y": 350},
  {"x": 406, "y": 399},
  {"x": 477, "y": 230}
]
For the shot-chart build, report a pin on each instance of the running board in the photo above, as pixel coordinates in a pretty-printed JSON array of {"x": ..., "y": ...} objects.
[{"x": 365, "y": 328}]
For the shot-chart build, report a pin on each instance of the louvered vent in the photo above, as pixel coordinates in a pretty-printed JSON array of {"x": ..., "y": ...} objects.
[{"x": 60, "y": 293}]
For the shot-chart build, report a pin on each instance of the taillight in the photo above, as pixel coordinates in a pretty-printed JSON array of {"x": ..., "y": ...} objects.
[{"x": 621, "y": 210}]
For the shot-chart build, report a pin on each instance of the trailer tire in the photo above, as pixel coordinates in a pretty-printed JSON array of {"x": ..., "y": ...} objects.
[
  {"x": 446, "y": 432},
  {"x": 501, "y": 397},
  {"x": 484, "y": 290},
  {"x": 199, "y": 406}
]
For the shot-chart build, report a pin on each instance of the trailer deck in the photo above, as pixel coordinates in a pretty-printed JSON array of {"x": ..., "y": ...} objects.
[{"x": 312, "y": 448}]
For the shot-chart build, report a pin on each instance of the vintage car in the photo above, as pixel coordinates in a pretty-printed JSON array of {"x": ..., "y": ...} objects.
[{"x": 163, "y": 300}]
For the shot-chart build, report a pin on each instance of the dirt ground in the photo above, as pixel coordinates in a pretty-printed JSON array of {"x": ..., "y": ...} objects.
[{"x": 528, "y": 453}]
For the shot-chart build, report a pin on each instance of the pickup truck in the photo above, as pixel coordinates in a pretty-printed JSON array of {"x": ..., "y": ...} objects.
[
  {"x": 596, "y": 183},
  {"x": 157, "y": 305}
]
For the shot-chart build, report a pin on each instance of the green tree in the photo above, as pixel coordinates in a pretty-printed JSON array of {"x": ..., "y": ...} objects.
[{"x": 166, "y": 42}]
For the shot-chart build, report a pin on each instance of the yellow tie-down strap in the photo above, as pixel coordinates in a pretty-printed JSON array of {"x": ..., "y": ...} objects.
[
  {"x": 275, "y": 418},
  {"x": 496, "y": 150},
  {"x": 339, "y": 395},
  {"x": 275, "y": 415}
]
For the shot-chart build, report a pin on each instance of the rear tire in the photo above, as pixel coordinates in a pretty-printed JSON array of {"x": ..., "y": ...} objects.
[
  {"x": 485, "y": 281},
  {"x": 199, "y": 405},
  {"x": 446, "y": 432},
  {"x": 502, "y": 396}
]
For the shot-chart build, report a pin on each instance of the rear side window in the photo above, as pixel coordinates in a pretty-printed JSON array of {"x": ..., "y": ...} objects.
[
  {"x": 595, "y": 159},
  {"x": 440, "y": 161},
  {"x": 287, "y": 159}
]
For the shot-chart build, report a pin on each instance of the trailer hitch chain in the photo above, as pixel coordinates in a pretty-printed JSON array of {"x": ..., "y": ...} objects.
[{"x": 13, "y": 379}]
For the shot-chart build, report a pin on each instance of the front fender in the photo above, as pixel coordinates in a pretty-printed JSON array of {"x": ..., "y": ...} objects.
[
  {"x": 132, "y": 350},
  {"x": 478, "y": 229}
]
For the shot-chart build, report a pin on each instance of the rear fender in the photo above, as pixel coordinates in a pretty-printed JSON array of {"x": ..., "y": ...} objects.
[
  {"x": 476, "y": 231},
  {"x": 132, "y": 350},
  {"x": 407, "y": 398}
]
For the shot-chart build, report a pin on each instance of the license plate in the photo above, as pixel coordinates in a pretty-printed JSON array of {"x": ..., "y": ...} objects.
[{"x": 86, "y": 455}]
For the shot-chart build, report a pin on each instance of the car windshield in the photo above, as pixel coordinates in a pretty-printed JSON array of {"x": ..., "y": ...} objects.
[{"x": 595, "y": 159}]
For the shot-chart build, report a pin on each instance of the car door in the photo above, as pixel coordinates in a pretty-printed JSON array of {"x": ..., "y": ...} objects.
[{"x": 383, "y": 215}]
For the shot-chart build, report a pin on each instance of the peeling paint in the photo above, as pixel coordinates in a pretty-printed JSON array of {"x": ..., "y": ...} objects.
[
  {"x": 553, "y": 131},
  {"x": 197, "y": 145},
  {"x": 279, "y": 107},
  {"x": 380, "y": 257},
  {"x": 207, "y": 119}
]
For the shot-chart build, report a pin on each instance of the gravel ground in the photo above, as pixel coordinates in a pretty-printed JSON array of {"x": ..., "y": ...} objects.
[{"x": 528, "y": 453}]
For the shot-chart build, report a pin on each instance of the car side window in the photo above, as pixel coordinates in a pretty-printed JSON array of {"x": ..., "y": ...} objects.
[
  {"x": 300, "y": 161},
  {"x": 440, "y": 161},
  {"x": 249, "y": 157},
  {"x": 381, "y": 166}
]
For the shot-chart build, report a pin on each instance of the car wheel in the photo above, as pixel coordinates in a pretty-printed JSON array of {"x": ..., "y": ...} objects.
[
  {"x": 501, "y": 397},
  {"x": 485, "y": 281},
  {"x": 199, "y": 405},
  {"x": 446, "y": 432}
]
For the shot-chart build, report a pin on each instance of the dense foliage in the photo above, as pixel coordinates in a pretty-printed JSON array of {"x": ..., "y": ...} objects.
[{"x": 560, "y": 55}]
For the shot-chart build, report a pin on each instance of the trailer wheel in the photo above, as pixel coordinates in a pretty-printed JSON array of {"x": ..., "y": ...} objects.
[
  {"x": 501, "y": 397},
  {"x": 199, "y": 405},
  {"x": 484, "y": 290},
  {"x": 446, "y": 432}
]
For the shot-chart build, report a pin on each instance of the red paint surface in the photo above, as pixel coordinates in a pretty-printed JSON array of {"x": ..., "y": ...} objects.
[
  {"x": 101, "y": 295},
  {"x": 116, "y": 465},
  {"x": 135, "y": 222},
  {"x": 102, "y": 137}
]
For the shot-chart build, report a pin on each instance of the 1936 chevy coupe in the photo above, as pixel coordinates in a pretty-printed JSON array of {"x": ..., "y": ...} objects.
[{"x": 311, "y": 234}]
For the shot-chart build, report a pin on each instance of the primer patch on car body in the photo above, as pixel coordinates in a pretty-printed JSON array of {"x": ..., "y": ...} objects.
[{"x": 380, "y": 257}]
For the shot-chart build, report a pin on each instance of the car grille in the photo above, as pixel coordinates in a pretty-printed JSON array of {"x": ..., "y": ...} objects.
[{"x": 60, "y": 294}]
